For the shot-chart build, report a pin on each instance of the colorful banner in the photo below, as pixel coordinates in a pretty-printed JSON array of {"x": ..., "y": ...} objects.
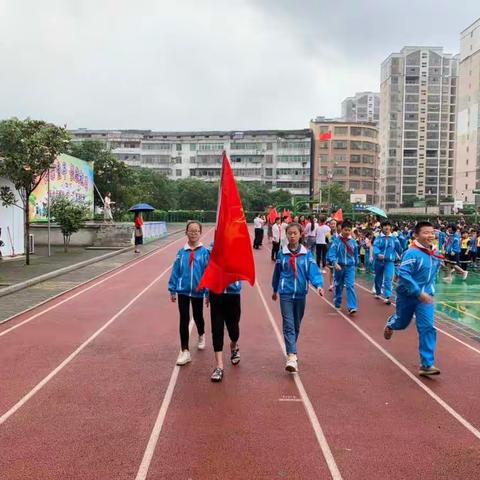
[{"x": 69, "y": 176}]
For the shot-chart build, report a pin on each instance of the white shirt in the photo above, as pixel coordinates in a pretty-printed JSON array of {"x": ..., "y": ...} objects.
[
  {"x": 322, "y": 231},
  {"x": 283, "y": 234},
  {"x": 107, "y": 202},
  {"x": 276, "y": 232},
  {"x": 309, "y": 232},
  {"x": 258, "y": 222}
]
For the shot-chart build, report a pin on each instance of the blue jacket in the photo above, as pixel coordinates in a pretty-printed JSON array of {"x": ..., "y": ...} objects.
[
  {"x": 389, "y": 247},
  {"x": 452, "y": 243},
  {"x": 472, "y": 244},
  {"x": 339, "y": 253},
  {"x": 441, "y": 239},
  {"x": 417, "y": 273},
  {"x": 402, "y": 241},
  {"x": 329, "y": 256},
  {"x": 185, "y": 278},
  {"x": 284, "y": 280}
]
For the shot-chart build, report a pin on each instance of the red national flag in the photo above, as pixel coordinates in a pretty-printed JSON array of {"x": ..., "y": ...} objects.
[
  {"x": 325, "y": 136},
  {"x": 288, "y": 214},
  {"x": 338, "y": 215},
  {"x": 232, "y": 257},
  {"x": 273, "y": 214}
]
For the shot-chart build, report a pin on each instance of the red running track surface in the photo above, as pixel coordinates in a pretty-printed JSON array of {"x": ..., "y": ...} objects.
[{"x": 94, "y": 417}]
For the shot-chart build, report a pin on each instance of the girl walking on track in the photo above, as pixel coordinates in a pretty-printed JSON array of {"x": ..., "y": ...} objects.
[
  {"x": 294, "y": 269},
  {"x": 187, "y": 271},
  {"x": 225, "y": 310}
]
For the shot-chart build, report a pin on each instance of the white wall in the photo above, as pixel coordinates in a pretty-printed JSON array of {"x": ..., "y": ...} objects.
[{"x": 11, "y": 217}]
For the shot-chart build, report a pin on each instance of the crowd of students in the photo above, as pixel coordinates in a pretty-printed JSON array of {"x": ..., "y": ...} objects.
[{"x": 306, "y": 249}]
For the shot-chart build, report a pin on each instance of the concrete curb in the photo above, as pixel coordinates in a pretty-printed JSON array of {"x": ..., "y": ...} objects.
[{"x": 61, "y": 271}]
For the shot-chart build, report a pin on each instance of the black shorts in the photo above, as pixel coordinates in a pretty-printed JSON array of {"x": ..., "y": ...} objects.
[
  {"x": 452, "y": 258},
  {"x": 139, "y": 240}
]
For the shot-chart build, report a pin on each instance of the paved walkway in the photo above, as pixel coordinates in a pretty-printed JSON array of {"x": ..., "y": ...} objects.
[{"x": 15, "y": 271}]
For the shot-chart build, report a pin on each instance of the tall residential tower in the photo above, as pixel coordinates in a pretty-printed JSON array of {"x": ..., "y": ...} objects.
[{"x": 417, "y": 125}]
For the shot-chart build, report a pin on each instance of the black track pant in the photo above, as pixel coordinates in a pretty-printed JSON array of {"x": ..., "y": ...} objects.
[
  {"x": 321, "y": 254},
  {"x": 184, "y": 309},
  {"x": 275, "y": 249},
  {"x": 224, "y": 310}
]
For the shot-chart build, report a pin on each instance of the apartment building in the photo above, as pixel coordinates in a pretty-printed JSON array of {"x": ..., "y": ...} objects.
[
  {"x": 417, "y": 125},
  {"x": 467, "y": 167},
  {"x": 349, "y": 158},
  {"x": 280, "y": 159},
  {"x": 362, "y": 107}
]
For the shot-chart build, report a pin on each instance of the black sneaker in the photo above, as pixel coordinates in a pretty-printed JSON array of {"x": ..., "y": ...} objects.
[
  {"x": 352, "y": 311},
  {"x": 235, "y": 356},
  {"x": 387, "y": 301},
  {"x": 217, "y": 375},
  {"x": 427, "y": 371}
]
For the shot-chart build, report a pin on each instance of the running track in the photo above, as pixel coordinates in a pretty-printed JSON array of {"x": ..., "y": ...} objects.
[{"x": 89, "y": 390}]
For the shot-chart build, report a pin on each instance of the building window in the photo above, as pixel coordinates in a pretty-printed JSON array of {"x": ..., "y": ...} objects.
[
  {"x": 340, "y": 144},
  {"x": 179, "y": 147},
  {"x": 178, "y": 173},
  {"x": 341, "y": 130}
]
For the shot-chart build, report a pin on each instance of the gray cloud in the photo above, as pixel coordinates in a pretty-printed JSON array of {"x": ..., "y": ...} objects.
[{"x": 206, "y": 64}]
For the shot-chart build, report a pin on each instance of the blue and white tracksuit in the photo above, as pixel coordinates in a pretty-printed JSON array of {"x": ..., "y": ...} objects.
[
  {"x": 291, "y": 283},
  {"x": 346, "y": 276},
  {"x": 186, "y": 275},
  {"x": 452, "y": 246},
  {"x": 417, "y": 274},
  {"x": 441, "y": 240},
  {"x": 389, "y": 247}
]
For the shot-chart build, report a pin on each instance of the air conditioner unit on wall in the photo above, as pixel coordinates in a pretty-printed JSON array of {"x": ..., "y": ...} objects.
[{"x": 31, "y": 243}]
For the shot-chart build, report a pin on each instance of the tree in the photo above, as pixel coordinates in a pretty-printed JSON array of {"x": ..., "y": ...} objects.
[
  {"x": 336, "y": 196},
  {"x": 69, "y": 215},
  {"x": 27, "y": 149}
]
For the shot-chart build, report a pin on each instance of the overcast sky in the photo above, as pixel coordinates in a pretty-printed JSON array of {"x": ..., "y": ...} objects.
[{"x": 206, "y": 64}]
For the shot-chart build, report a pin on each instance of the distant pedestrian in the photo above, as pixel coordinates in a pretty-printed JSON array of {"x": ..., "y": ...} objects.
[
  {"x": 138, "y": 231},
  {"x": 276, "y": 238},
  {"x": 258, "y": 225},
  {"x": 187, "y": 270},
  {"x": 107, "y": 208}
]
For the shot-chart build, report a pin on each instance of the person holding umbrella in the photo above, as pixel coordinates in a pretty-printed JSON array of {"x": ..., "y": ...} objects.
[{"x": 138, "y": 222}]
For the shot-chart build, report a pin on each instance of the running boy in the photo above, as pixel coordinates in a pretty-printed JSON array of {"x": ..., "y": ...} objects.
[
  {"x": 415, "y": 290},
  {"x": 452, "y": 253},
  {"x": 344, "y": 257},
  {"x": 294, "y": 269},
  {"x": 187, "y": 271}
]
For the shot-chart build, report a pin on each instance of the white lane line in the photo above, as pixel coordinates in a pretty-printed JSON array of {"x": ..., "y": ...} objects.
[
  {"x": 157, "y": 428},
  {"x": 407, "y": 372},
  {"x": 453, "y": 337},
  {"x": 118, "y": 272},
  {"x": 322, "y": 441},
  {"x": 62, "y": 365}
]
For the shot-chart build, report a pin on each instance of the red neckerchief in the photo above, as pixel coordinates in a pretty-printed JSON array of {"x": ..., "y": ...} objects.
[
  {"x": 293, "y": 262},
  {"x": 347, "y": 244},
  {"x": 429, "y": 251},
  {"x": 191, "y": 257}
]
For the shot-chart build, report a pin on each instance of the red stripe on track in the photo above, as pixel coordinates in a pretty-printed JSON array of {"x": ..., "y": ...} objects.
[
  {"x": 245, "y": 427},
  {"x": 379, "y": 423}
]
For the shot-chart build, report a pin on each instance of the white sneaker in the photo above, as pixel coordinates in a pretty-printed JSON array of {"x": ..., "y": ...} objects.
[
  {"x": 201, "y": 342},
  {"x": 184, "y": 358},
  {"x": 291, "y": 365},
  {"x": 465, "y": 275}
]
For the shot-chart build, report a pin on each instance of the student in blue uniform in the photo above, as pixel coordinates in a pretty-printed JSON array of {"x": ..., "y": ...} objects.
[
  {"x": 190, "y": 263},
  {"x": 415, "y": 291},
  {"x": 386, "y": 250},
  {"x": 344, "y": 256},
  {"x": 452, "y": 253},
  {"x": 441, "y": 239},
  {"x": 294, "y": 269}
]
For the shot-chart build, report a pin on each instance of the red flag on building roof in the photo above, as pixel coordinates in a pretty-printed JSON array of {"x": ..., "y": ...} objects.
[
  {"x": 232, "y": 257},
  {"x": 338, "y": 215},
  {"x": 325, "y": 136}
]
